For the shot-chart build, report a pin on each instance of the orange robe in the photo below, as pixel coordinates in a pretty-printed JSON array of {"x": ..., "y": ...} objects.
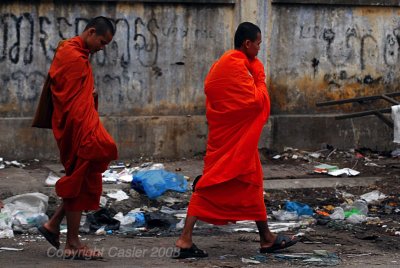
[
  {"x": 237, "y": 107},
  {"x": 85, "y": 147}
]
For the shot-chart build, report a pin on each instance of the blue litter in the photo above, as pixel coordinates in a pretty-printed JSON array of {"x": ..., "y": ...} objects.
[
  {"x": 155, "y": 182},
  {"x": 301, "y": 209}
]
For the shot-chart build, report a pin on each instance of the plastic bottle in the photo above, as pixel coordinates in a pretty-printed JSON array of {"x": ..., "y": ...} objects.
[
  {"x": 338, "y": 214},
  {"x": 362, "y": 206}
]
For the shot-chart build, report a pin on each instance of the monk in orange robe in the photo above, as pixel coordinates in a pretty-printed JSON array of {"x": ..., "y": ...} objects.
[
  {"x": 237, "y": 107},
  {"x": 85, "y": 147}
]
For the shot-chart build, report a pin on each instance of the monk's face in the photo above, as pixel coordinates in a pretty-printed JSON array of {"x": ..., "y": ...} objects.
[
  {"x": 252, "y": 47},
  {"x": 97, "y": 42}
]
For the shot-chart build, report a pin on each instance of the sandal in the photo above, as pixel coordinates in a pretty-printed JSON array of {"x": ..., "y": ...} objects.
[
  {"x": 192, "y": 252},
  {"x": 52, "y": 238},
  {"x": 83, "y": 253},
  {"x": 281, "y": 242}
]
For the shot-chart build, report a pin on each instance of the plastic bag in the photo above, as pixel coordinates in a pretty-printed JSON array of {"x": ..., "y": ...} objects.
[
  {"x": 26, "y": 210},
  {"x": 299, "y": 208},
  {"x": 155, "y": 182},
  {"x": 283, "y": 215},
  {"x": 338, "y": 214}
]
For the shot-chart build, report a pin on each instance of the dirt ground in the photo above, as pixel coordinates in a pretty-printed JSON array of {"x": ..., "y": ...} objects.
[{"x": 371, "y": 244}]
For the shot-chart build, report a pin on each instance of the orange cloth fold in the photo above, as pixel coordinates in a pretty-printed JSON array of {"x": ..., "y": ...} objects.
[
  {"x": 237, "y": 107},
  {"x": 85, "y": 146}
]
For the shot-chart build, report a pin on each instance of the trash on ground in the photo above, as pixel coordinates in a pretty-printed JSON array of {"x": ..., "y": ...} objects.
[
  {"x": 324, "y": 168},
  {"x": 26, "y": 210},
  {"x": 155, "y": 182},
  {"x": 131, "y": 221},
  {"x": 119, "y": 195},
  {"x": 250, "y": 261},
  {"x": 299, "y": 208},
  {"x": 344, "y": 171},
  {"x": 395, "y": 153},
  {"x": 102, "y": 218},
  {"x": 317, "y": 258},
  {"x": 51, "y": 179},
  {"x": 11, "y": 249},
  {"x": 373, "y": 196}
]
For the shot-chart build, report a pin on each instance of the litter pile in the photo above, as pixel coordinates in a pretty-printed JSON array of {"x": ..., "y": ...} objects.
[{"x": 13, "y": 163}]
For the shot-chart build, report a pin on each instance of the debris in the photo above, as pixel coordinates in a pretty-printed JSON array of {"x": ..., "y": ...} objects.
[
  {"x": 315, "y": 155},
  {"x": 344, "y": 171},
  {"x": 324, "y": 168},
  {"x": 119, "y": 195},
  {"x": 102, "y": 218},
  {"x": 110, "y": 176},
  {"x": 11, "y": 249},
  {"x": 371, "y": 164},
  {"x": 51, "y": 179},
  {"x": 373, "y": 196},
  {"x": 131, "y": 221},
  {"x": 26, "y": 210},
  {"x": 117, "y": 166},
  {"x": 250, "y": 261},
  {"x": 317, "y": 258},
  {"x": 103, "y": 201},
  {"x": 276, "y": 157},
  {"x": 396, "y": 153},
  {"x": 169, "y": 200},
  {"x": 17, "y": 164},
  {"x": 283, "y": 215},
  {"x": 299, "y": 208},
  {"x": 338, "y": 214},
  {"x": 155, "y": 182},
  {"x": 6, "y": 233}
]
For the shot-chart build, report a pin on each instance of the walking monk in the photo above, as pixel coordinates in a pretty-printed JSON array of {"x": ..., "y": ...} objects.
[
  {"x": 85, "y": 146},
  {"x": 237, "y": 107}
]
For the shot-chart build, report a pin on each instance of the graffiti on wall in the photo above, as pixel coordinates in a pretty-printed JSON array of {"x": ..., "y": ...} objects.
[
  {"x": 127, "y": 63},
  {"x": 360, "y": 49}
]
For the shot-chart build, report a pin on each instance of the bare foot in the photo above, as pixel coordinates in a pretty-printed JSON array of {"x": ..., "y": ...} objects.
[
  {"x": 183, "y": 243},
  {"x": 269, "y": 241}
]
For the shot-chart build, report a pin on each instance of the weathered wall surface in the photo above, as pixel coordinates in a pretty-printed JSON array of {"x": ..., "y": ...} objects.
[
  {"x": 155, "y": 66},
  {"x": 150, "y": 78},
  {"x": 321, "y": 53}
]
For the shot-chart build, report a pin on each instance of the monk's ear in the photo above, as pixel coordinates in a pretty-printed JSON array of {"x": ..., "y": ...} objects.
[
  {"x": 247, "y": 43},
  {"x": 92, "y": 31}
]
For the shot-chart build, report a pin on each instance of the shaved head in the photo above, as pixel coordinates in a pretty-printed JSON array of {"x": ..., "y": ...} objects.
[{"x": 102, "y": 25}]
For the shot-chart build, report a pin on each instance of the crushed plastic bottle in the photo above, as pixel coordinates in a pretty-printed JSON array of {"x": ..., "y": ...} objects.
[
  {"x": 362, "y": 206},
  {"x": 338, "y": 214}
]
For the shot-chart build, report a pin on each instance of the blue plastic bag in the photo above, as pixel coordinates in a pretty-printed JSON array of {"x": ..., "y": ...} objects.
[
  {"x": 301, "y": 209},
  {"x": 155, "y": 182}
]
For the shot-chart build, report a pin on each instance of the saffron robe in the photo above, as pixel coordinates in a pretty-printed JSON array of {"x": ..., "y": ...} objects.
[
  {"x": 85, "y": 147},
  {"x": 237, "y": 107}
]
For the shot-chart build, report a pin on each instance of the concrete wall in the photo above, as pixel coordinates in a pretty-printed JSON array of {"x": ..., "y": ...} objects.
[
  {"x": 150, "y": 78},
  {"x": 155, "y": 66},
  {"x": 323, "y": 53}
]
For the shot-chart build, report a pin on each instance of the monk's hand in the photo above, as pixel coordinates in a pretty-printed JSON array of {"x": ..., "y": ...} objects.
[{"x": 95, "y": 93}]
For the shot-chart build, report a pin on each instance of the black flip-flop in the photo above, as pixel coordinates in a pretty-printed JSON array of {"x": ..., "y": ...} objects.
[
  {"x": 52, "y": 238},
  {"x": 192, "y": 252},
  {"x": 281, "y": 242}
]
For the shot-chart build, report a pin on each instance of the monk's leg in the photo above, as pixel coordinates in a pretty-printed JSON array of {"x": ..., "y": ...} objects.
[
  {"x": 267, "y": 238},
  {"x": 73, "y": 223},
  {"x": 185, "y": 240},
  {"x": 53, "y": 225}
]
